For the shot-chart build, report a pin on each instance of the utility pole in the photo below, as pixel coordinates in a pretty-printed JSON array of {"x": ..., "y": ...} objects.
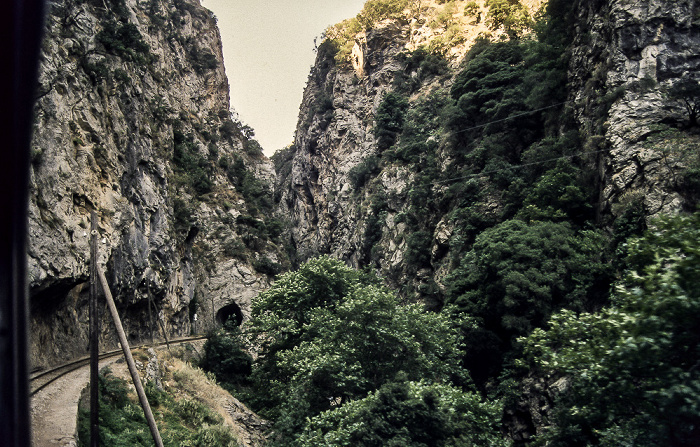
[
  {"x": 130, "y": 361},
  {"x": 94, "y": 337}
]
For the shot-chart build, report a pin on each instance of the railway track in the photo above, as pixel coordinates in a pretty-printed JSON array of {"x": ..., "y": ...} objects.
[{"x": 41, "y": 379}]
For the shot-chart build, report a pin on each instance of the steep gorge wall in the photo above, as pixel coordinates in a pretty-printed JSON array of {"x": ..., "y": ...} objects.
[
  {"x": 133, "y": 122},
  {"x": 625, "y": 58},
  {"x": 334, "y": 136}
]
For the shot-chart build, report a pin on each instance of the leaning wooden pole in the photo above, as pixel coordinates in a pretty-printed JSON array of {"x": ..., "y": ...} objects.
[
  {"x": 94, "y": 338},
  {"x": 130, "y": 361}
]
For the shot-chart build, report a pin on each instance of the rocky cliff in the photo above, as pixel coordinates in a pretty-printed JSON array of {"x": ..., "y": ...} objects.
[
  {"x": 387, "y": 197},
  {"x": 133, "y": 122},
  {"x": 629, "y": 63},
  {"x": 335, "y": 139}
]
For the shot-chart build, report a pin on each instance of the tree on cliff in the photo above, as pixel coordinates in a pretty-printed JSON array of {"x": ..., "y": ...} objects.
[{"x": 687, "y": 91}]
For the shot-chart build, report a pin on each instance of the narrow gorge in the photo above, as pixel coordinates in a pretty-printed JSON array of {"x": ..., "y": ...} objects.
[{"x": 493, "y": 180}]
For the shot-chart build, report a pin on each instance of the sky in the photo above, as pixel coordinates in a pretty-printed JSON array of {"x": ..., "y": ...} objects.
[{"x": 268, "y": 52}]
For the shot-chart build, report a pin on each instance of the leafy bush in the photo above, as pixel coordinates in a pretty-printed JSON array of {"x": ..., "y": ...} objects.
[
  {"x": 202, "y": 60},
  {"x": 363, "y": 171},
  {"x": 182, "y": 212},
  {"x": 330, "y": 334},
  {"x": 411, "y": 414},
  {"x": 634, "y": 365},
  {"x": 516, "y": 275},
  {"x": 420, "y": 65},
  {"x": 388, "y": 121},
  {"x": 224, "y": 356},
  {"x": 190, "y": 164},
  {"x": 418, "y": 247},
  {"x": 510, "y": 15},
  {"x": 125, "y": 41},
  {"x": 267, "y": 266}
]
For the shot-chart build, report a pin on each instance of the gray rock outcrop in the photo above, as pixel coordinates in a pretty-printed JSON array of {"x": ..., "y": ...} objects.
[{"x": 133, "y": 122}]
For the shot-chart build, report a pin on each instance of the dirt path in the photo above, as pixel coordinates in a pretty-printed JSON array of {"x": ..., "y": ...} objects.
[{"x": 54, "y": 410}]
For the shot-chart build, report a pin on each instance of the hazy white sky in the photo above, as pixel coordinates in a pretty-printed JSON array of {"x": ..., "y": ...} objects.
[{"x": 268, "y": 51}]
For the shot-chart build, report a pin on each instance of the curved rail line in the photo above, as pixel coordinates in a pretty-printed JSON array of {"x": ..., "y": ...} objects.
[{"x": 69, "y": 367}]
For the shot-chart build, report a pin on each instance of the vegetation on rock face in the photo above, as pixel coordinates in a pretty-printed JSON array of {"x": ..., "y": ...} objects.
[
  {"x": 633, "y": 366},
  {"x": 497, "y": 230}
]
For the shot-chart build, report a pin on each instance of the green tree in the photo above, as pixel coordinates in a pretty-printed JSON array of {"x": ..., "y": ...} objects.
[
  {"x": 223, "y": 355},
  {"x": 279, "y": 317},
  {"x": 634, "y": 367},
  {"x": 510, "y": 15},
  {"x": 515, "y": 276},
  {"x": 688, "y": 92},
  {"x": 389, "y": 118},
  {"x": 409, "y": 414},
  {"x": 330, "y": 335}
]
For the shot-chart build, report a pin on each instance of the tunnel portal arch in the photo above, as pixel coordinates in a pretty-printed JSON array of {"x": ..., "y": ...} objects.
[{"x": 229, "y": 312}]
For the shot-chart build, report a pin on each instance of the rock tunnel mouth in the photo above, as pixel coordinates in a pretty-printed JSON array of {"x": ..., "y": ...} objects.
[{"x": 230, "y": 312}]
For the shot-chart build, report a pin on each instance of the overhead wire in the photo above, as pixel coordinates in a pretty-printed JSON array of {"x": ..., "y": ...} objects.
[
  {"x": 494, "y": 171},
  {"x": 479, "y": 174}
]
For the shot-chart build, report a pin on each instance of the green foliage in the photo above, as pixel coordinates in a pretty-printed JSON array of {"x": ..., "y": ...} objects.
[
  {"x": 559, "y": 194},
  {"x": 257, "y": 194},
  {"x": 341, "y": 37},
  {"x": 377, "y": 10},
  {"x": 471, "y": 9},
  {"x": 516, "y": 275},
  {"x": 420, "y": 65},
  {"x": 634, "y": 365},
  {"x": 229, "y": 129},
  {"x": 410, "y": 414},
  {"x": 96, "y": 71},
  {"x": 122, "y": 423},
  {"x": 323, "y": 108},
  {"x": 389, "y": 119},
  {"x": 418, "y": 245},
  {"x": 687, "y": 91},
  {"x": 267, "y": 266},
  {"x": 631, "y": 222},
  {"x": 125, "y": 41},
  {"x": 223, "y": 355},
  {"x": 510, "y": 15},
  {"x": 193, "y": 168},
  {"x": 374, "y": 227},
  {"x": 330, "y": 334},
  {"x": 202, "y": 60},
  {"x": 363, "y": 171}
]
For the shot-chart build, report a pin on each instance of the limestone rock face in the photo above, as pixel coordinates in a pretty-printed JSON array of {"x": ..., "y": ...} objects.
[
  {"x": 627, "y": 57},
  {"x": 329, "y": 144},
  {"x": 133, "y": 122},
  {"x": 334, "y": 138}
]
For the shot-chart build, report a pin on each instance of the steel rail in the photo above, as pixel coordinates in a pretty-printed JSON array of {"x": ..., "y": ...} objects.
[{"x": 84, "y": 361}]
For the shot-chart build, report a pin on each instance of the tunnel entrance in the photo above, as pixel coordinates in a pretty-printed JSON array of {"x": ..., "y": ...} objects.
[{"x": 230, "y": 312}]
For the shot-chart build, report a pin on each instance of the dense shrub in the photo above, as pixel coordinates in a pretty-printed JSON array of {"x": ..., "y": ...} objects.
[
  {"x": 410, "y": 414},
  {"x": 363, "y": 171},
  {"x": 388, "y": 121},
  {"x": 192, "y": 167},
  {"x": 330, "y": 334},
  {"x": 202, "y": 60},
  {"x": 223, "y": 355},
  {"x": 633, "y": 366},
  {"x": 125, "y": 41}
]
